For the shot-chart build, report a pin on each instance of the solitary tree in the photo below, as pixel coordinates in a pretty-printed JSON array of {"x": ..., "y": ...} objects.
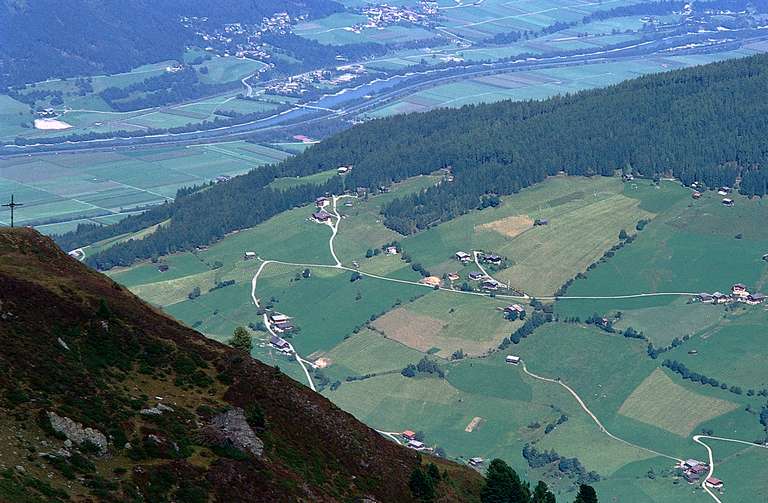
[
  {"x": 241, "y": 340},
  {"x": 542, "y": 494},
  {"x": 502, "y": 485},
  {"x": 586, "y": 494}
]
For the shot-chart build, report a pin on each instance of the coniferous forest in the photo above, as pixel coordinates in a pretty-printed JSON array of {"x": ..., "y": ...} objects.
[{"x": 703, "y": 124}]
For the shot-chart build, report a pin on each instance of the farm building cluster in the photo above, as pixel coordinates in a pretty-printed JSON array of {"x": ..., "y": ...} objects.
[
  {"x": 280, "y": 344},
  {"x": 739, "y": 293},
  {"x": 413, "y": 443},
  {"x": 280, "y": 323},
  {"x": 694, "y": 470}
]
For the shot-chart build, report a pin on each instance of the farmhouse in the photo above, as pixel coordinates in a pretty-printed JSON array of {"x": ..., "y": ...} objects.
[
  {"x": 513, "y": 359},
  {"x": 728, "y": 202},
  {"x": 284, "y": 326},
  {"x": 492, "y": 259},
  {"x": 541, "y": 221},
  {"x": 410, "y": 435},
  {"x": 721, "y": 298},
  {"x": 476, "y": 276},
  {"x": 739, "y": 290},
  {"x": 696, "y": 194},
  {"x": 278, "y": 318},
  {"x": 322, "y": 202},
  {"x": 463, "y": 257},
  {"x": 343, "y": 170},
  {"x": 490, "y": 284},
  {"x": 390, "y": 250},
  {"x": 691, "y": 478},
  {"x": 454, "y": 276},
  {"x": 514, "y": 308},
  {"x": 431, "y": 281},
  {"x": 476, "y": 461},
  {"x": 705, "y": 298},
  {"x": 249, "y": 255},
  {"x": 415, "y": 444},
  {"x": 280, "y": 343},
  {"x": 755, "y": 298},
  {"x": 714, "y": 483},
  {"x": 724, "y": 191},
  {"x": 321, "y": 216}
]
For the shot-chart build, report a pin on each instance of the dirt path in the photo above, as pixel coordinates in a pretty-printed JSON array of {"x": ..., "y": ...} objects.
[
  {"x": 697, "y": 439},
  {"x": 593, "y": 416},
  {"x": 265, "y": 318}
]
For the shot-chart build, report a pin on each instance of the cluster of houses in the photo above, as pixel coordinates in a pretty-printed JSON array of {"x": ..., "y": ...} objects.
[
  {"x": 739, "y": 293},
  {"x": 723, "y": 191},
  {"x": 412, "y": 443},
  {"x": 280, "y": 323},
  {"x": 694, "y": 470}
]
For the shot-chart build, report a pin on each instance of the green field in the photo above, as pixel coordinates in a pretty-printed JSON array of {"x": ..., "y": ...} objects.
[
  {"x": 67, "y": 189},
  {"x": 585, "y": 217},
  {"x": 363, "y": 333}
]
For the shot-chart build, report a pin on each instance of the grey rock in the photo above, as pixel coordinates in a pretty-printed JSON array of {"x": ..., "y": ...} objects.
[
  {"x": 76, "y": 433},
  {"x": 231, "y": 427}
]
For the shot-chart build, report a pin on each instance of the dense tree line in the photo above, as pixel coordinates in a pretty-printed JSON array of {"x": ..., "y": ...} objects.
[
  {"x": 570, "y": 467},
  {"x": 704, "y": 123},
  {"x": 504, "y": 485},
  {"x": 680, "y": 368},
  {"x": 47, "y": 38},
  {"x": 162, "y": 90},
  {"x": 205, "y": 216}
]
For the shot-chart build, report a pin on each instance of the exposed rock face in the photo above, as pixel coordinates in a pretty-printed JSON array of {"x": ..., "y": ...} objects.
[
  {"x": 231, "y": 427},
  {"x": 76, "y": 433},
  {"x": 156, "y": 411}
]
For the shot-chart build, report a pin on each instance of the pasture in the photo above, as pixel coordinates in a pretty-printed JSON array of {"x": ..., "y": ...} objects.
[
  {"x": 445, "y": 322},
  {"x": 585, "y": 217},
  {"x": 660, "y": 402},
  {"x": 691, "y": 247},
  {"x": 67, "y": 189}
]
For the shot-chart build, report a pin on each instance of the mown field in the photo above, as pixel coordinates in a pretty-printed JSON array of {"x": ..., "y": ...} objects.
[
  {"x": 60, "y": 191},
  {"x": 585, "y": 218}
]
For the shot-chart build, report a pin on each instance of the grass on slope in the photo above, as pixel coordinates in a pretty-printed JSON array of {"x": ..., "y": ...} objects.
[{"x": 585, "y": 216}]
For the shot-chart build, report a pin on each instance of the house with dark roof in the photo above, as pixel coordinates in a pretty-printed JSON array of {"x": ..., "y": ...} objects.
[
  {"x": 476, "y": 276},
  {"x": 755, "y": 298},
  {"x": 321, "y": 216}
]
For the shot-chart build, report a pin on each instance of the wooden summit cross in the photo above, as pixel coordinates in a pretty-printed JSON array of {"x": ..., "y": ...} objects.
[{"x": 12, "y": 205}]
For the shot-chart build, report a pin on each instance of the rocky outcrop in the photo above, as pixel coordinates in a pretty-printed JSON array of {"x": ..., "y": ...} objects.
[
  {"x": 231, "y": 428},
  {"x": 76, "y": 433}
]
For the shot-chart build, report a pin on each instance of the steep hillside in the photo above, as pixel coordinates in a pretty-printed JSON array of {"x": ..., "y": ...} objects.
[{"x": 103, "y": 398}]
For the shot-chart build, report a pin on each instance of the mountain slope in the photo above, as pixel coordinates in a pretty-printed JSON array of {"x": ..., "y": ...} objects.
[
  {"x": 121, "y": 403},
  {"x": 40, "y": 39}
]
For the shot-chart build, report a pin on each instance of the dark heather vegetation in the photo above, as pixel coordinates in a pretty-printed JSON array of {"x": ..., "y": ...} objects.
[
  {"x": 48, "y": 38},
  {"x": 79, "y": 345},
  {"x": 699, "y": 124}
]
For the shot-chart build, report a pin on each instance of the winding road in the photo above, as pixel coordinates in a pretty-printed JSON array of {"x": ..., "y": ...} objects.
[{"x": 334, "y": 226}]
